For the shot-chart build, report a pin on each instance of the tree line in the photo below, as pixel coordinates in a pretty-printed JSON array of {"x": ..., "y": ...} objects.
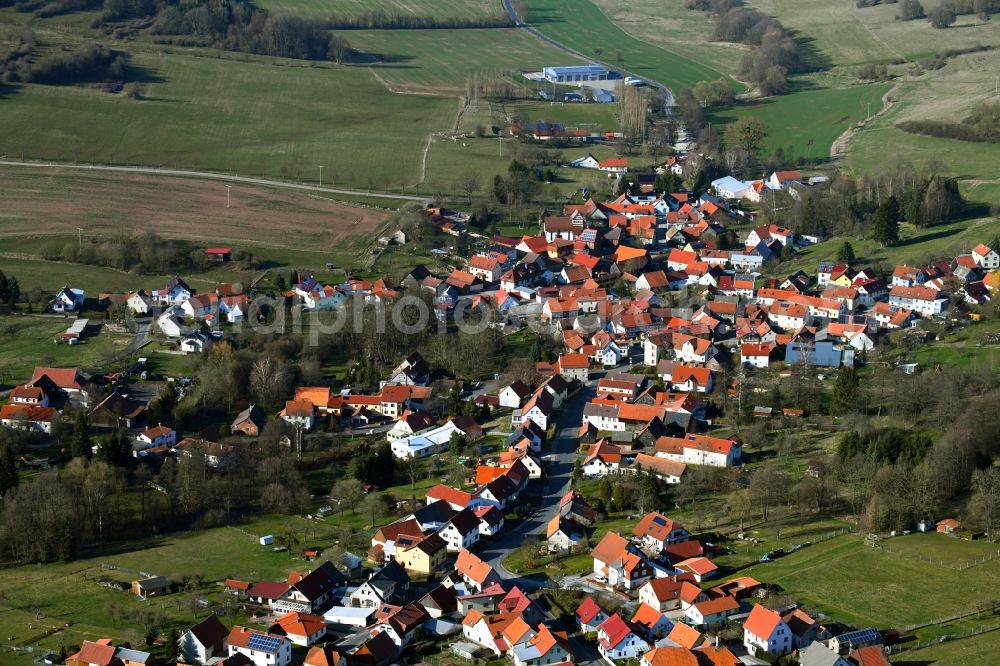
[
  {"x": 981, "y": 125},
  {"x": 232, "y": 25},
  {"x": 147, "y": 253},
  {"x": 89, "y": 62},
  {"x": 872, "y": 205}
]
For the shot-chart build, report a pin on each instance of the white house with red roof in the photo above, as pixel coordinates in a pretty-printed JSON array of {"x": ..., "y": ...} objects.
[
  {"x": 701, "y": 568},
  {"x": 765, "y": 631},
  {"x": 590, "y": 616},
  {"x": 618, "y": 640},
  {"x": 925, "y": 301},
  {"x": 780, "y": 179},
  {"x": 769, "y": 233},
  {"x": 620, "y": 563},
  {"x": 545, "y": 648},
  {"x": 485, "y": 268},
  {"x": 658, "y": 531},
  {"x": 986, "y": 258},
  {"x": 652, "y": 621},
  {"x": 159, "y": 435},
  {"x": 713, "y": 612},
  {"x": 262, "y": 648},
  {"x": 661, "y": 593},
  {"x": 693, "y": 449}
]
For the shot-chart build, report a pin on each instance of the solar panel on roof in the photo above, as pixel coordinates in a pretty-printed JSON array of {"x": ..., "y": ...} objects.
[
  {"x": 870, "y": 635},
  {"x": 659, "y": 521},
  {"x": 263, "y": 643}
]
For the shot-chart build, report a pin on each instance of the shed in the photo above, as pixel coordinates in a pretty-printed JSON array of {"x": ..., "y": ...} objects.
[
  {"x": 220, "y": 253},
  {"x": 267, "y": 540},
  {"x": 466, "y": 650},
  {"x": 150, "y": 587}
]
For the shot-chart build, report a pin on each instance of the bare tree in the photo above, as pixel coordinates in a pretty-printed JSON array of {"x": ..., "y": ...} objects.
[
  {"x": 468, "y": 184},
  {"x": 268, "y": 379},
  {"x": 347, "y": 492},
  {"x": 375, "y": 505}
]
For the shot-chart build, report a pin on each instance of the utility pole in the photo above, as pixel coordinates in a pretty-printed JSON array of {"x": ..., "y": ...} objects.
[
  {"x": 869, "y": 114},
  {"x": 228, "y": 188},
  {"x": 321, "y": 175},
  {"x": 79, "y": 235}
]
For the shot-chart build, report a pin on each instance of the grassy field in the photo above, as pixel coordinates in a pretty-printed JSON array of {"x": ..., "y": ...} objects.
[
  {"x": 29, "y": 341},
  {"x": 66, "y": 597},
  {"x": 439, "y": 9},
  {"x": 982, "y": 649},
  {"x": 866, "y": 587},
  {"x": 945, "y": 94},
  {"x": 673, "y": 27},
  {"x": 581, "y": 25},
  {"x": 805, "y": 123},
  {"x": 221, "y": 114},
  {"x": 441, "y": 60},
  {"x": 840, "y": 33},
  {"x": 915, "y": 247}
]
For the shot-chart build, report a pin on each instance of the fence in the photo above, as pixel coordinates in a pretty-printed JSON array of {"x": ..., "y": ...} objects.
[
  {"x": 884, "y": 545},
  {"x": 899, "y": 649}
]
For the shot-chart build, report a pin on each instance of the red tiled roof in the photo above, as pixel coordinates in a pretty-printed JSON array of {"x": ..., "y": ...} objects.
[{"x": 762, "y": 622}]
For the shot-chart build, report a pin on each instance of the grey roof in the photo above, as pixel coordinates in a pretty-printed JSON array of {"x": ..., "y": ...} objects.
[{"x": 818, "y": 654}]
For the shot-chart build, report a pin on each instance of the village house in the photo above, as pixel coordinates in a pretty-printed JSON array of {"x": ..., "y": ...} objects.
[
  {"x": 657, "y": 532},
  {"x": 102, "y": 653},
  {"x": 67, "y": 300},
  {"x": 620, "y": 640},
  {"x": 619, "y": 563},
  {"x": 249, "y": 422},
  {"x": 925, "y": 301},
  {"x": 661, "y": 593},
  {"x": 300, "y": 628},
  {"x": 203, "y": 641},
  {"x": 653, "y": 623},
  {"x": 711, "y": 613},
  {"x": 544, "y": 648},
  {"x": 765, "y": 631},
  {"x": 692, "y": 449},
  {"x": 262, "y": 648}
]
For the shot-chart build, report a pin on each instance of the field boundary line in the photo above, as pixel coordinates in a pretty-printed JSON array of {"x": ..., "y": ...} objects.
[{"x": 212, "y": 175}]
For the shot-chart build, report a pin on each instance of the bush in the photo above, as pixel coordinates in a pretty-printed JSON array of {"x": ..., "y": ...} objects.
[
  {"x": 873, "y": 72},
  {"x": 943, "y": 15},
  {"x": 910, "y": 10}
]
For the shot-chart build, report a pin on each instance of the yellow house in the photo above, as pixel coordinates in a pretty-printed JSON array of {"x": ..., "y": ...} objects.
[
  {"x": 421, "y": 556},
  {"x": 842, "y": 280}
]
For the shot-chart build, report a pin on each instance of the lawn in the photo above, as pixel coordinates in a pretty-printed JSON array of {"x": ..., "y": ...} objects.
[
  {"x": 29, "y": 341},
  {"x": 866, "y": 587},
  {"x": 581, "y": 25},
  {"x": 805, "y": 123},
  {"x": 67, "y": 597},
  {"x": 223, "y": 113},
  {"x": 941, "y": 548},
  {"x": 438, "y": 9}
]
